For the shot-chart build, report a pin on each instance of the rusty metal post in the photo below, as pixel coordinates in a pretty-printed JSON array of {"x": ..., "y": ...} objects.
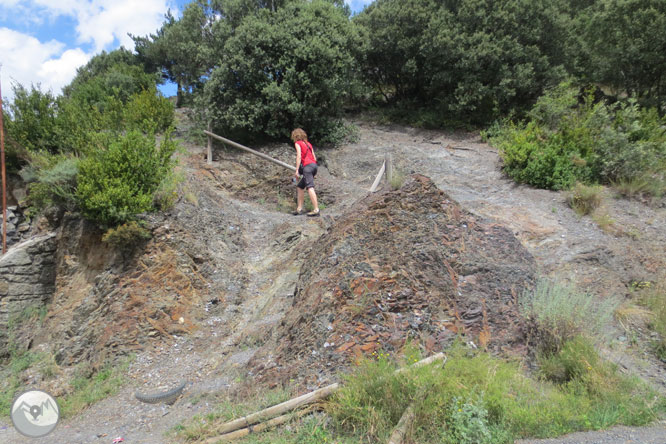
[{"x": 4, "y": 176}]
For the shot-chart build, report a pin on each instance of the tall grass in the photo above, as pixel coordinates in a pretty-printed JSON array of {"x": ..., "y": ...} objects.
[{"x": 558, "y": 312}]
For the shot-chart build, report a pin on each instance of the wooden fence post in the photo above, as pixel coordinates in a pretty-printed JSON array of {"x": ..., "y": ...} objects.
[
  {"x": 388, "y": 159},
  {"x": 209, "y": 153}
]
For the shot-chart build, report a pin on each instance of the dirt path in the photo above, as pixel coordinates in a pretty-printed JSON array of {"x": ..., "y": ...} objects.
[{"x": 249, "y": 249}]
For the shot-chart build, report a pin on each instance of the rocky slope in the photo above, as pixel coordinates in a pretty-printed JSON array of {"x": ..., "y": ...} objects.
[{"x": 232, "y": 288}]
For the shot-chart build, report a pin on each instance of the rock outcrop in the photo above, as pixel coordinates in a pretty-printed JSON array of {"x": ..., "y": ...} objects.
[{"x": 27, "y": 280}]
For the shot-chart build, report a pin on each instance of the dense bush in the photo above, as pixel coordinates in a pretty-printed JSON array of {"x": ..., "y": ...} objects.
[
  {"x": 32, "y": 120},
  {"x": 621, "y": 45},
  {"x": 282, "y": 69},
  {"x": 118, "y": 182},
  {"x": 469, "y": 59},
  {"x": 566, "y": 141},
  {"x": 127, "y": 236},
  {"x": 148, "y": 111}
]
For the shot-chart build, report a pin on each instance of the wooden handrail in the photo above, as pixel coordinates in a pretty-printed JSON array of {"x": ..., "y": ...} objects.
[{"x": 250, "y": 150}]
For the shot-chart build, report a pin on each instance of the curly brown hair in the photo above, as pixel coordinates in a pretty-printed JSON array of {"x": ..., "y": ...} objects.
[{"x": 298, "y": 134}]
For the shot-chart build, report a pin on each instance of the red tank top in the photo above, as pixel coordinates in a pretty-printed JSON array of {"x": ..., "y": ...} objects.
[{"x": 307, "y": 157}]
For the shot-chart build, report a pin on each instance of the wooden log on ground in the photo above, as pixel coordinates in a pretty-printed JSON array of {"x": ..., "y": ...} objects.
[
  {"x": 279, "y": 409},
  {"x": 436, "y": 357},
  {"x": 400, "y": 431},
  {"x": 250, "y": 150},
  {"x": 375, "y": 184},
  {"x": 242, "y": 433}
]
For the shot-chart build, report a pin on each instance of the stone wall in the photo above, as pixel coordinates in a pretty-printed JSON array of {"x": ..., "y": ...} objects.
[
  {"x": 17, "y": 227},
  {"x": 27, "y": 279}
]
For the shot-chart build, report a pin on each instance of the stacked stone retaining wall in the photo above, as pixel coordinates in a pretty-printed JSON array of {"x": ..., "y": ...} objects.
[{"x": 27, "y": 279}]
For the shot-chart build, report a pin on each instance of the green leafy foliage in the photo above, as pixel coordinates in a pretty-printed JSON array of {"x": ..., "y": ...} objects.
[
  {"x": 148, "y": 111},
  {"x": 117, "y": 183},
  {"x": 126, "y": 236},
  {"x": 472, "y": 60},
  {"x": 566, "y": 141},
  {"x": 621, "y": 45},
  {"x": 478, "y": 398},
  {"x": 284, "y": 69},
  {"x": 31, "y": 121}
]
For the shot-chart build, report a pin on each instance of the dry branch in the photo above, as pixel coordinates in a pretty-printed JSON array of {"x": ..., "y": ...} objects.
[{"x": 436, "y": 357}]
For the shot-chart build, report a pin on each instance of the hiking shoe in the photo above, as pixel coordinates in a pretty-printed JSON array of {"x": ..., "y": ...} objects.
[
  {"x": 313, "y": 213},
  {"x": 297, "y": 212}
]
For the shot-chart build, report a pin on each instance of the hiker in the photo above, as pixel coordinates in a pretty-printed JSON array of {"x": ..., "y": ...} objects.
[{"x": 306, "y": 165}]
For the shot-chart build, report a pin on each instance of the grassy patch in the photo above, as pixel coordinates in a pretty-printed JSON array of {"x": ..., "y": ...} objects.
[
  {"x": 557, "y": 313},
  {"x": 584, "y": 199},
  {"x": 87, "y": 387},
  {"x": 397, "y": 179},
  {"x": 653, "y": 297},
  {"x": 473, "y": 399}
]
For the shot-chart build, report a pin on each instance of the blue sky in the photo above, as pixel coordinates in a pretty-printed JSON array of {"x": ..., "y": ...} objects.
[{"x": 44, "y": 41}]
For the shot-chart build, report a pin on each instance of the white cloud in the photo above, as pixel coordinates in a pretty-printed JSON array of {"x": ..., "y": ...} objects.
[
  {"x": 28, "y": 61},
  {"x": 103, "y": 23}
]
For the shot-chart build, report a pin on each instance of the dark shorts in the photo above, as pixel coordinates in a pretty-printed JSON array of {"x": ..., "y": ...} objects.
[{"x": 308, "y": 171}]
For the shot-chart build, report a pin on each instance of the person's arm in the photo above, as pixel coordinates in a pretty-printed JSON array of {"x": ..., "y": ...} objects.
[{"x": 298, "y": 158}]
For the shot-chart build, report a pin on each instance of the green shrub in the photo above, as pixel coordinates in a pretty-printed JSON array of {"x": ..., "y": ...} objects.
[
  {"x": 277, "y": 70},
  {"x": 566, "y": 141},
  {"x": 149, "y": 112},
  {"x": 126, "y": 236},
  {"x": 119, "y": 182},
  {"x": 469, "y": 422},
  {"x": 52, "y": 181},
  {"x": 558, "y": 313},
  {"x": 584, "y": 199}
]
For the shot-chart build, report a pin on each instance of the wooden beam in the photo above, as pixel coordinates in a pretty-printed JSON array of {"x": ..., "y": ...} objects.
[
  {"x": 250, "y": 150},
  {"x": 242, "y": 433},
  {"x": 375, "y": 184},
  {"x": 279, "y": 409},
  {"x": 250, "y": 421}
]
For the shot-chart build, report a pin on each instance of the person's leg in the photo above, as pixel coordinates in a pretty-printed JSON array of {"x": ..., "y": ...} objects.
[
  {"x": 300, "y": 197},
  {"x": 313, "y": 198}
]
